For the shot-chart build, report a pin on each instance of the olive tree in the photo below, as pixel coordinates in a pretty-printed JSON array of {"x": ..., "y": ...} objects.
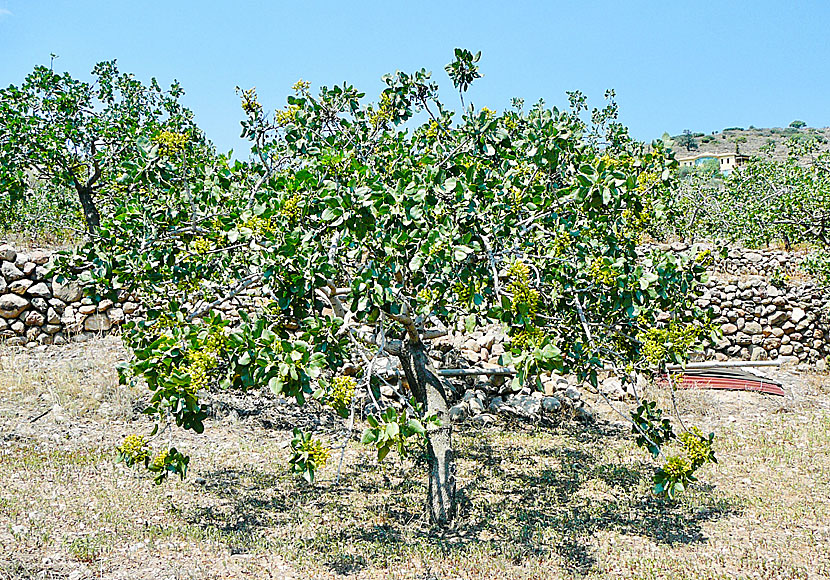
[
  {"x": 66, "y": 133},
  {"x": 361, "y": 229}
]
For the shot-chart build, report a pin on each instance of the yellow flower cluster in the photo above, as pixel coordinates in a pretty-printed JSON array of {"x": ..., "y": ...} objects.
[
  {"x": 528, "y": 338},
  {"x": 201, "y": 246},
  {"x": 260, "y": 226},
  {"x": 647, "y": 180},
  {"x": 249, "y": 102},
  {"x": 287, "y": 115},
  {"x": 318, "y": 452},
  {"x": 601, "y": 273},
  {"x": 342, "y": 392},
  {"x": 134, "y": 447},
  {"x": 301, "y": 86},
  {"x": 561, "y": 243},
  {"x": 160, "y": 460},
  {"x": 519, "y": 287},
  {"x": 676, "y": 467},
  {"x": 511, "y": 123},
  {"x": 696, "y": 445},
  {"x": 488, "y": 113},
  {"x": 291, "y": 208},
  {"x": 427, "y": 295},
  {"x": 170, "y": 143},
  {"x": 432, "y": 131},
  {"x": 384, "y": 113},
  {"x": 465, "y": 292},
  {"x": 658, "y": 343},
  {"x": 203, "y": 360},
  {"x": 705, "y": 258}
]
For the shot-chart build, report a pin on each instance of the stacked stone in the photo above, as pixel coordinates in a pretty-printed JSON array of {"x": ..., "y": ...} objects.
[
  {"x": 761, "y": 321},
  {"x": 36, "y": 310}
]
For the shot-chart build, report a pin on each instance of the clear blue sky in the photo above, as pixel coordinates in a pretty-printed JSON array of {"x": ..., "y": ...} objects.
[{"x": 701, "y": 65}]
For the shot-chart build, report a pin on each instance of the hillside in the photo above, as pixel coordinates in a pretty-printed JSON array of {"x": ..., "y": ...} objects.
[{"x": 750, "y": 141}]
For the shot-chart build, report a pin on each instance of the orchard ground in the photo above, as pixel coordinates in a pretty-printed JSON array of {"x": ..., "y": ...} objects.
[{"x": 569, "y": 501}]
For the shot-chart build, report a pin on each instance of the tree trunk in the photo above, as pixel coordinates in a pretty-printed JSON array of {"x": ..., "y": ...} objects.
[
  {"x": 91, "y": 215},
  {"x": 429, "y": 391}
]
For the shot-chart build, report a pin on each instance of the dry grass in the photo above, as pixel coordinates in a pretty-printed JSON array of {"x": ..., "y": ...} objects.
[{"x": 565, "y": 502}]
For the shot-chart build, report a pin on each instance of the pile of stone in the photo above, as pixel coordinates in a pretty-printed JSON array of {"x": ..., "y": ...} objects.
[{"x": 35, "y": 309}]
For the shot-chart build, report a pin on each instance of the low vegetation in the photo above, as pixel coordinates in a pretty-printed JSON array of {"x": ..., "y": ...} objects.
[{"x": 566, "y": 501}]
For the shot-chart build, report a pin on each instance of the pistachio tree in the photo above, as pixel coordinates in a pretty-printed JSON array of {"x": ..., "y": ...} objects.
[
  {"x": 365, "y": 228},
  {"x": 66, "y": 133}
]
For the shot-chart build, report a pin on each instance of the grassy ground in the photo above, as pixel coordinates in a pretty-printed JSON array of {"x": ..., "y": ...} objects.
[{"x": 563, "y": 502}]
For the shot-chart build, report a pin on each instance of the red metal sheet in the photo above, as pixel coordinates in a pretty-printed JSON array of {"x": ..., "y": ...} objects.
[{"x": 698, "y": 382}]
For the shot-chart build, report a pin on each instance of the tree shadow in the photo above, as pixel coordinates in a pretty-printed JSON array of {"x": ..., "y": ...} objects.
[{"x": 547, "y": 502}]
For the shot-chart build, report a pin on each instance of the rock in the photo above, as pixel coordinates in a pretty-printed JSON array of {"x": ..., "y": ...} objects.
[
  {"x": 573, "y": 393},
  {"x": 67, "y": 292},
  {"x": 551, "y": 404},
  {"x": 51, "y": 328},
  {"x": 821, "y": 365},
  {"x": 98, "y": 322},
  {"x": 483, "y": 420},
  {"x": 10, "y": 272},
  {"x": 11, "y": 305},
  {"x": 526, "y": 405},
  {"x": 7, "y": 253},
  {"x": 40, "y": 290},
  {"x": 797, "y": 314},
  {"x": 40, "y": 304},
  {"x": 130, "y": 307},
  {"x": 753, "y": 328},
  {"x": 584, "y": 414},
  {"x": 19, "y": 287},
  {"x": 458, "y": 412},
  {"x": 495, "y": 404},
  {"x": 34, "y": 318},
  {"x": 29, "y": 269},
  {"x": 476, "y": 406},
  {"x": 86, "y": 309},
  {"x": 777, "y": 318},
  {"x": 788, "y": 327},
  {"x": 116, "y": 315},
  {"x": 39, "y": 257},
  {"x": 52, "y": 317},
  {"x": 785, "y": 350},
  {"x": 729, "y": 329}
]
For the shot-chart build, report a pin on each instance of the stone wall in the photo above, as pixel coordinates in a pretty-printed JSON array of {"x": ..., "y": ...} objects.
[
  {"x": 762, "y": 321},
  {"x": 35, "y": 309},
  {"x": 759, "y": 319}
]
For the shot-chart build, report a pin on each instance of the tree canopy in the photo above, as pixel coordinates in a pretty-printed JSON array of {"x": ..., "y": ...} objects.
[
  {"x": 361, "y": 229},
  {"x": 66, "y": 133}
]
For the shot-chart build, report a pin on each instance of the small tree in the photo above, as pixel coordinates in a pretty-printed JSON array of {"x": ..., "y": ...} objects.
[
  {"x": 68, "y": 133},
  {"x": 798, "y": 124},
  {"x": 687, "y": 140},
  {"x": 365, "y": 239}
]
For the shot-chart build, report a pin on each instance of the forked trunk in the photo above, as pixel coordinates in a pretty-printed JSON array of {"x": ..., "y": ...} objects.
[
  {"x": 91, "y": 215},
  {"x": 430, "y": 392}
]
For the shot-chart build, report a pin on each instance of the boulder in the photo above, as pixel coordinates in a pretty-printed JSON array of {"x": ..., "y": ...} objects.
[
  {"x": 67, "y": 292},
  {"x": 34, "y": 318},
  {"x": 98, "y": 322},
  {"x": 7, "y": 253},
  {"x": 797, "y": 314},
  {"x": 11, "y": 305},
  {"x": 10, "y": 272},
  {"x": 40, "y": 290},
  {"x": 20, "y": 287}
]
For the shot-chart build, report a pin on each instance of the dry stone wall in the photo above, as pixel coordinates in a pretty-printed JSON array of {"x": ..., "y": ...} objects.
[
  {"x": 35, "y": 309},
  {"x": 760, "y": 320}
]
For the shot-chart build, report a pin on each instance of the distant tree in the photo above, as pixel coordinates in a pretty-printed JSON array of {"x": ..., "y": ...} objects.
[
  {"x": 798, "y": 124},
  {"x": 687, "y": 140},
  {"x": 67, "y": 133}
]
